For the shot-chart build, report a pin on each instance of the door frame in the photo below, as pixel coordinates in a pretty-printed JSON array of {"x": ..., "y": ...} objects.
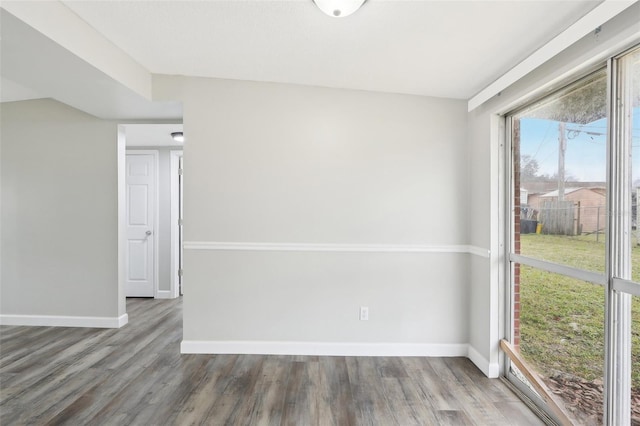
[
  {"x": 175, "y": 156},
  {"x": 617, "y": 279},
  {"x": 155, "y": 212}
]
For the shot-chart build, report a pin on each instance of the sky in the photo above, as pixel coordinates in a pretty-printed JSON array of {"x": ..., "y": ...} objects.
[{"x": 585, "y": 156}]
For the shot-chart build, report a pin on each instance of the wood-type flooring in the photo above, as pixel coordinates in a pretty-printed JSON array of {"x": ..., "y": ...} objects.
[{"x": 136, "y": 376}]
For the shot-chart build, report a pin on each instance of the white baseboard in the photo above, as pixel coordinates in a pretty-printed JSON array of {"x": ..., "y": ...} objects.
[
  {"x": 64, "y": 321},
  {"x": 490, "y": 370},
  {"x": 322, "y": 348},
  {"x": 122, "y": 320},
  {"x": 164, "y": 294}
]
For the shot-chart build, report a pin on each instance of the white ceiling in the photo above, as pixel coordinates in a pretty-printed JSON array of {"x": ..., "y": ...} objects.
[
  {"x": 146, "y": 135},
  {"x": 33, "y": 66},
  {"x": 437, "y": 48}
]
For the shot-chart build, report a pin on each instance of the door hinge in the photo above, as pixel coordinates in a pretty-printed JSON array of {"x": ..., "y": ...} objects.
[
  {"x": 180, "y": 172},
  {"x": 179, "y": 272},
  {"x": 180, "y": 222}
]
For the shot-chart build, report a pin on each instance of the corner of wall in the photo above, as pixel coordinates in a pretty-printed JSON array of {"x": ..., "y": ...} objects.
[
  {"x": 491, "y": 370},
  {"x": 122, "y": 237}
]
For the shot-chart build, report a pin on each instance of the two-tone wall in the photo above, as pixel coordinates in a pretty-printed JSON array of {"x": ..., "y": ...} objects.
[{"x": 303, "y": 204}]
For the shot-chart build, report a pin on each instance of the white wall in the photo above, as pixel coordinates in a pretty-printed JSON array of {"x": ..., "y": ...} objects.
[
  {"x": 59, "y": 217},
  {"x": 487, "y": 167},
  {"x": 279, "y": 164}
]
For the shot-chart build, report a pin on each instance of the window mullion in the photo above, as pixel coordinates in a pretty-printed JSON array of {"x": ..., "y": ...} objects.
[{"x": 618, "y": 305}]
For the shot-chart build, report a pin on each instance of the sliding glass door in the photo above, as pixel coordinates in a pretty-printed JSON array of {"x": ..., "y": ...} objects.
[
  {"x": 573, "y": 230},
  {"x": 625, "y": 287}
]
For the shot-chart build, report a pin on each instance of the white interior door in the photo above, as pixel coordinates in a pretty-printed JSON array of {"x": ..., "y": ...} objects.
[{"x": 140, "y": 219}]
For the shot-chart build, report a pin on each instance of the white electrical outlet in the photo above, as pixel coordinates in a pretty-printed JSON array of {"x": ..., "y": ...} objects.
[{"x": 364, "y": 313}]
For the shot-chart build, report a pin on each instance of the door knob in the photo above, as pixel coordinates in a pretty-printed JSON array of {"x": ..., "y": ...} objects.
[{"x": 148, "y": 232}]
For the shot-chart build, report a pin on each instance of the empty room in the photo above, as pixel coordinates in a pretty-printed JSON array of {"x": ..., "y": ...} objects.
[{"x": 320, "y": 212}]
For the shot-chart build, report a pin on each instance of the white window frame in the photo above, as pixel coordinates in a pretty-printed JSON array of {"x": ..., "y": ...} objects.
[{"x": 617, "y": 277}]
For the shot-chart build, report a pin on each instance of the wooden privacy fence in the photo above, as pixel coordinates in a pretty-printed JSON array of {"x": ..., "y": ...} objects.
[
  {"x": 572, "y": 218},
  {"x": 558, "y": 217}
]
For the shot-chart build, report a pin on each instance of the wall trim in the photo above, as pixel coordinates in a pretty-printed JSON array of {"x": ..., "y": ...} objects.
[
  {"x": 323, "y": 348},
  {"x": 479, "y": 251},
  {"x": 64, "y": 321},
  {"x": 491, "y": 370},
  {"x": 165, "y": 294},
  {"x": 306, "y": 247}
]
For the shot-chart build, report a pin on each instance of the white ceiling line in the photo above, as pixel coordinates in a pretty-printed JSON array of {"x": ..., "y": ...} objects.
[
  {"x": 420, "y": 52},
  {"x": 57, "y": 22},
  {"x": 592, "y": 20}
]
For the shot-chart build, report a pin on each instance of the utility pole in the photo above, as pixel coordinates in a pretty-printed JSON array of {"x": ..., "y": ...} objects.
[{"x": 562, "y": 147}]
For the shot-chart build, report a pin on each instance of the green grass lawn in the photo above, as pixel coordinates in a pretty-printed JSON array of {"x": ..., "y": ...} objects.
[{"x": 562, "y": 319}]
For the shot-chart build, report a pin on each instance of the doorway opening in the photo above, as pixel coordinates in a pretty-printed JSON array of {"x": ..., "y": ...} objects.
[{"x": 150, "y": 217}]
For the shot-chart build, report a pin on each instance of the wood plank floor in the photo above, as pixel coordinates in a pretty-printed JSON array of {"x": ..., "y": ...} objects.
[{"x": 136, "y": 376}]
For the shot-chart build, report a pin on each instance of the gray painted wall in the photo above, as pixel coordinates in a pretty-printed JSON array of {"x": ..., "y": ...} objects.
[
  {"x": 279, "y": 163},
  {"x": 275, "y": 163},
  {"x": 59, "y": 211}
]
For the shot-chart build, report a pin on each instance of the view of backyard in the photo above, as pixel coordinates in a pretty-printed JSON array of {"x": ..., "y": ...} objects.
[
  {"x": 570, "y": 172},
  {"x": 562, "y": 319}
]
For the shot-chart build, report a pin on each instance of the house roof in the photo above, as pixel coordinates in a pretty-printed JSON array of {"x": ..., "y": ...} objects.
[
  {"x": 542, "y": 187},
  {"x": 567, "y": 191},
  {"x": 555, "y": 193}
]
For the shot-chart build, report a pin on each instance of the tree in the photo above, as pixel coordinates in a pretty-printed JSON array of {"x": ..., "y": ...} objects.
[
  {"x": 530, "y": 172},
  {"x": 582, "y": 103},
  {"x": 529, "y": 168}
]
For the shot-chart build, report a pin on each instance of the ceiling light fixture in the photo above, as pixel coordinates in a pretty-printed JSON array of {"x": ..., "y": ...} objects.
[
  {"x": 339, "y": 8},
  {"x": 177, "y": 136}
]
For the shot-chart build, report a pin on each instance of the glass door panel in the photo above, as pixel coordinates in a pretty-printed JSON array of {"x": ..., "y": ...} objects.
[
  {"x": 560, "y": 176},
  {"x": 562, "y": 338},
  {"x": 568, "y": 150},
  {"x": 559, "y": 157}
]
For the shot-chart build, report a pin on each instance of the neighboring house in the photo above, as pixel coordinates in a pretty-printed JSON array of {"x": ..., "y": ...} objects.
[{"x": 589, "y": 207}]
